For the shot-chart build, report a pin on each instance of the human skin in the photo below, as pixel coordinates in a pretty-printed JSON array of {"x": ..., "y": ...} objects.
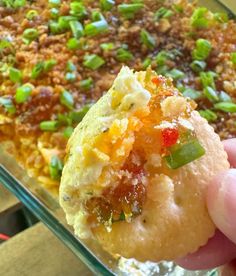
[{"x": 221, "y": 202}]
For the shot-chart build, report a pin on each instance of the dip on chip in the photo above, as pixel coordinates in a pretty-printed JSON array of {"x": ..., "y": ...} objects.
[{"x": 137, "y": 170}]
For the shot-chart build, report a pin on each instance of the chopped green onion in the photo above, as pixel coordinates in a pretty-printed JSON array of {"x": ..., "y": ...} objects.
[
  {"x": 198, "y": 66},
  {"x": 55, "y": 168},
  {"x": 54, "y": 12},
  {"x": 8, "y": 105},
  {"x": 123, "y": 55},
  {"x": 68, "y": 132},
  {"x": 224, "y": 97},
  {"x": 77, "y": 116},
  {"x": 129, "y": 10},
  {"x": 64, "y": 22},
  {"x": 207, "y": 79},
  {"x": 221, "y": 17},
  {"x": 178, "y": 8},
  {"x": 64, "y": 119},
  {"x": 70, "y": 76},
  {"x": 37, "y": 70},
  {"x": 211, "y": 94},
  {"x": 86, "y": 84},
  {"x": 202, "y": 50},
  {"x": 54, "y": 3},
  {"x": 107, "y": 46},
  {"x": 73, "y": 44},
  {"x": 147, "y": 39},
  {"x": 162, "y": 57},
  {"x": 4, "y": 43},
  {"x": 175, "y": 74},
  {"x": 162, "y": 70},
  {"x": 226, "y": 107},
  {"x": 163, "y": 13},
  {"x": 147, "y": 62},
  {"x": 23, "y": 93},
  {"x": 76, "y": 28},
  {"x": 192, "y": 94},
  {"x": 49, "y": 125},
  {"x": 30, "y": 34},
  {"x": 199, "y": 18},
  {"x": 49, "y": 64},
  {"x": 31, "y": 14},
  {"x": 233, "y": 58},
  {"x": 67, "y": 99},
  {"x": 95, "y": 28},
  {"x": 15, "y": 75},
  {"x": 70, "y": 66},
  {"x": 93, "y": 61},
  {"x": 13, "y": 3},
  {"x": 208, "y": 114},
  {"x": 78, "y": 9},
  {"x": 107, "y": 5},
  {"x": 121, "y": 218},
  {"x": 55, "y": 28},
  {"x": 185, "y": 154}
]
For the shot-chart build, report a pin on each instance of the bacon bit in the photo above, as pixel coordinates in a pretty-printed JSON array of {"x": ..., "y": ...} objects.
[
  {"x": 157, "y": 80},
  {"x": 169, "y": 136}
]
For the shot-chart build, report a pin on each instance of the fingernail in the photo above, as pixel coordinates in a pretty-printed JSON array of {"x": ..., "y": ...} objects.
[{"x": 222, "y": 203}]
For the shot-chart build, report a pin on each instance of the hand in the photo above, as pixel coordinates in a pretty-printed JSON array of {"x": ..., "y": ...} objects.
[{"x": 221, "y": 202}]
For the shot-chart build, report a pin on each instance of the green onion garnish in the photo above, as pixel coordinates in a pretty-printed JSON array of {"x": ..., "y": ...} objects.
[
  {"x": 37, "y": 70},
  {"x": 67, "y": 99},
  {"x": 202, "y": 50},
  {"x": 30, "y": 35},
  {"x": 175, "y": 74},
  {"x": 163, "y": 13},
  {"x": 224, "y": 97},
  {"x": 64, "y": 22},
  {"x": 95, "y": 28},
  {"x": 77, "y": 116},
  {"x": 68, "y": 132},
  {"x": 73, "y": 44},
  {"x": 147, "y": 62},
  {"x": 55, "y": 168},
  {"x": 129, "y": 10},
  {"x": 147, "y": 39},
  {"x": 23, "y": 93},
  {"x": 123, "y": 55},
  {"x": 8, "y": 105},
  {"x": 55, "y": 27},
  {"x": 76, "y": 28},
  {"x": 226, "y": 107},
  {"x": 185, "y": 154},
  {"x": 199, "y": 18},
  {"x": 93, "y": 61},
  {"x": 70, "y": 76},
  {"x": 107, "y": 46},
  {"x": 49, "y": 64},
  {"x": 233, "y": 58},
  {"x": 14, "y": 4},
  {"x": 15, "y": 75},
  {"x": 54, "y": 13},
  {"x": 54, "y": 3},
  {"x": 49, "y": 125},
  {"x": 211, "y": 94},
  {"x": 208, "y": 114},
  {"x": 70, "y": 66},
  {"x": 191, "y": 93},
  {"x": 221, "y": 17},
  {"x": 78, "y": 9},
  {"x": 178, "y": 8},
  {"x": 31, "y": 14},
  {"x": 64, "y": 120},
  {"x": 162, "y": 57},
  {"x": 86, "y": 84},
  {"x": 207, "y": 79},
  {"x": 198, "y": 66},
  {"x": 107, "y": 5}
]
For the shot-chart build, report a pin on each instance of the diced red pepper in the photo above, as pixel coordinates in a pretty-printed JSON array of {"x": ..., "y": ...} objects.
[
  {"x": 169, "y": 136},
  {"x": 157, "y": 80}
]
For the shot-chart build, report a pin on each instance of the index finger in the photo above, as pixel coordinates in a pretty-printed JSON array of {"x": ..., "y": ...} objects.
[{"x": 230, "y": 148}]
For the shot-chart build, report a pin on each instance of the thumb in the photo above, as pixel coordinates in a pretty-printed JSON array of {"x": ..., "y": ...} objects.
[{"x": 221, "y": 201}]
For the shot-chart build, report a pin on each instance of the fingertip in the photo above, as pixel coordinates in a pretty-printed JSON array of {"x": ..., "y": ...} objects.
[
  {"x": 221, "y": 202},
  {"x": 230, "y": 148}
]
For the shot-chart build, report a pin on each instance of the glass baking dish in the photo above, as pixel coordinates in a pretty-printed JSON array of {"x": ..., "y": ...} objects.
[{"x": 47, "y": 209}]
